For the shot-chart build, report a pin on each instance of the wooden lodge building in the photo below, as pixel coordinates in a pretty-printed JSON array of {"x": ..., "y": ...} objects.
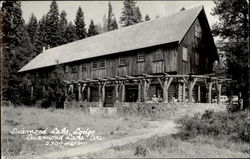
[{"x": 170, "y": 56}]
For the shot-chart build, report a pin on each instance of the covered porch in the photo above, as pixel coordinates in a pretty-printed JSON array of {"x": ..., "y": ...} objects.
[{"x": 105, "y": 92}]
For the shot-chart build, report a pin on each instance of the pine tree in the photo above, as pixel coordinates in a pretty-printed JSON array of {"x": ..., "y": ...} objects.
[
  {"x": 40, "y": 39},
  {"x": 63, "y": 25},
  {"x": 233, "y": 28},
  {"x": 92, "y": 29},
  {"x": 129, "y": 13},
  {"x": 138, "y": 14},
  {"x": 114, "y": 24},
  {"x": 70, "y": 33},
  {"x": 16, "y": 49},
  {"x": 52, "y": 28},
  {"x": 32, "y": 27},
  {"x": 147, "y": 17},
  {"x": 105, "y": 23},
  {"x": 110, "y": 16},
  {"x": 80, "y": 24}
]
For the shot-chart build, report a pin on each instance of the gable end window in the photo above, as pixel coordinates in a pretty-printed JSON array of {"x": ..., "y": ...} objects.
[
  {"x": 184, "y": 54},
  {"x": 122, "y": 61},
  {"x": 158, "y": 56},
  {"x": 197, "y": 32},
  {"x": 94, "y": 65},
  {"x": 84, "y": 67},
  {"x": 103, "y": 63},
  {"x": 141, "y": 57}
]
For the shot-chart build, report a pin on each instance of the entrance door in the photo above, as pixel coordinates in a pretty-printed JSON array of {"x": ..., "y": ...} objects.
[
  {"x": 109, "y": 97},
  {"x": 131, "y": 93}
]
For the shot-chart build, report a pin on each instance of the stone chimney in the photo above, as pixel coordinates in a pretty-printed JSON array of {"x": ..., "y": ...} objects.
[{"x": 43, "y": 49}]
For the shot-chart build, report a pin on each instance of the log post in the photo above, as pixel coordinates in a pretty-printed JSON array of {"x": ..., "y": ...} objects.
[
  {"x": 145, "y": 93},
  {"x": 185, "y": 83},
  {"x": 166, "y": 85},
  {"x": 218, "y": 90},
  {"x": 139, "y": 92},
  {"x": 103, "y": 91},
  {"x": 184, "y": 92},
  {"x": 199, "y": 94},
  {"x": 100, "y": 92},
  {"x": 66, "y": 93},
  {"x": 116, "y": 92},
  {"x": 88, "y": 96},
  {"x": 123, "y": 92},
  {"x": 31, "y": 93},
  {"x": 210, "y": 85},
  {"x": 190, "y": 90},
  {"x": 146, "y": 86},
  {"x": 79, "y": 92}
]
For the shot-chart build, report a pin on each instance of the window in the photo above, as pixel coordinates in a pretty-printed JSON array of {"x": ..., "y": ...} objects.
[
  {"x": 123, "y": 61},
  {"x": 197, "y": 32},
  {"x": 141, "y": 56},
  {"x": 184, "y": 54},
  {"x": 74, "y": 69},
  {"x": 94, "y": 65},
  {"x": 66, "y": 69},
  {"x": 103, "y": 63},
  {"x": 84, "y": 67},
  {"x": 158, "y": 56}
]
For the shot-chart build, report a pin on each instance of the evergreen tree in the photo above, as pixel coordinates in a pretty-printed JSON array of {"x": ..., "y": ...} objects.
[
  {"x": 138, "y": 14},
  {"x": 80, "y": 24},
  {"x": 147, "y": 17},
  {"x": 16, "y": 49},
  {"x": 40, "y": 39},
  {"x": 52, "y": 25},
  {"x": 70, "y": 33},
  {"x": 92, "y": 29},
  {"x": 129, "y": 13},
  {"x": 63, "y": 25},
  {"x": 105, "y": 23},
  {"x": 32, "y": 27},
  {"x": 233, "y": 29},
  {"x": 112, "y": 24},
  {"x": 110, "y": 15}
]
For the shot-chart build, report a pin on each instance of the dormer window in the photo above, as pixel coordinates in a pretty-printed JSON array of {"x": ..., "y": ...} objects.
[
  {"x": 123, "y": 61},
  {"x": 74, "y": 69},
  {"x": 141, "y": 56},
  {"x": 94, "y": 65},
  {"x": 103, "y": 63},
  {"x": 84, "y": 67},
  {"x": 66, "y": 69},
  {"x": 158, "y": 56}
]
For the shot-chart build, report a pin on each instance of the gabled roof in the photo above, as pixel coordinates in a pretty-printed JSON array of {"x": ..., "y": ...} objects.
[{"x": 159, "y": 31}]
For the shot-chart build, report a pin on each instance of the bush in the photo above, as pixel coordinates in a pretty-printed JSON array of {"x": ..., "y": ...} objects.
[
  {"x": 140, "y": 150},
  {"x": 234, "y": 126}
]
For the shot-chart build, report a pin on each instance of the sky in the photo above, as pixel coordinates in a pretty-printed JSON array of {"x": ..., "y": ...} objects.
[{"x": 96, "y": 9}]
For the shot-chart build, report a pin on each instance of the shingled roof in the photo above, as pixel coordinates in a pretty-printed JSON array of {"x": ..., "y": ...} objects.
[{"x": 159, "y": 31}]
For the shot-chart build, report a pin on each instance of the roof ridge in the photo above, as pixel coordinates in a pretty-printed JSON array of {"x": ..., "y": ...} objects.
[{"x": 131, "y": 26}]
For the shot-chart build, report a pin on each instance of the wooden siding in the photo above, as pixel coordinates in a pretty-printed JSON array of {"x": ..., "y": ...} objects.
[
  {"x": 133, "y": 66},
  {"x": 206, "y": 56}
]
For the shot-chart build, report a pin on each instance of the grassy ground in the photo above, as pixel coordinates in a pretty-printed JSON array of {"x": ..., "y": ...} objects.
[
  {"x": 110, "y": 127},
  {"x": 171, "y": 147},
  {"x": 34, "y": 118}
]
